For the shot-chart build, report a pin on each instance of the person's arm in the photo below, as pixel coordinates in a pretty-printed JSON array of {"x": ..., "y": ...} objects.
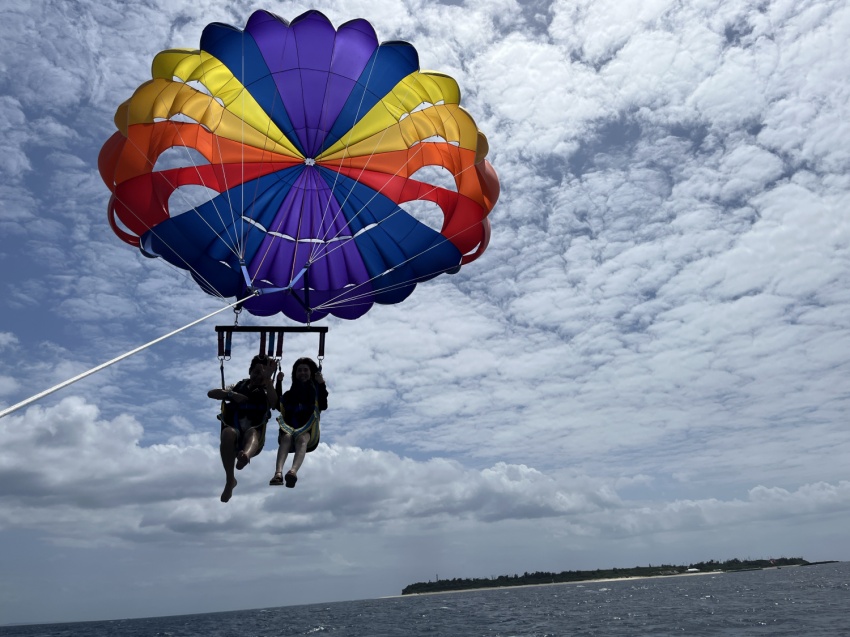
[
  {"x": 271, "y": 393},
  {"x": 321, "y": 392},
  {"x": 269, "y": 385},
  {"x": 222, "y": 394},
  {"x": 227, "y": 394}
]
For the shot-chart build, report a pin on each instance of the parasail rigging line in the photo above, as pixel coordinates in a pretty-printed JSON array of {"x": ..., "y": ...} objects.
[
  {"x": 270, "y": 245},
  {"x": 363, "y": 169},
  {"x": 189, "y": 267},
  {"x": 334, "y": 303},
  {"x": 339, "y": 169},
  {"x": 177, "y": 188},
  {"x": 340, "y": 244},
  {"x": 235, "y": 243},
  {"x": 347, "y": 302},
  {"x": 103, "y": 366}
]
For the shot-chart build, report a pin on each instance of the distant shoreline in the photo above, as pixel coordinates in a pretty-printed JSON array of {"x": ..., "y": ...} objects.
[
  {"x": 610, "y": 575},
  {"x": 574, "y": 583}
]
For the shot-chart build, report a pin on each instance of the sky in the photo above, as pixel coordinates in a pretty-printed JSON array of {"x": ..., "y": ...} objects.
[{"x": 649, "y": 364}]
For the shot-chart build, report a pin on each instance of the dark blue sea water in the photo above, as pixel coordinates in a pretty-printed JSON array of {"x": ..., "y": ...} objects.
[{"x": 809, "y": 601}]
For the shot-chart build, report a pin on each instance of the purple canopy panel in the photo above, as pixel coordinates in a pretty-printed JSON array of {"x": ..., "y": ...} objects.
[
  {"x": 273, "y": 37},
  {"x": 355, "y": 43},
  {"x": 278, "y": 259},
  {"x": 315, "y": 69}
]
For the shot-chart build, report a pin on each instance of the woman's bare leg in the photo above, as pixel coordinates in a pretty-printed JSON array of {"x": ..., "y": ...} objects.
[
  {"x": 284, "y": 444},
  {"x": 300, "y": 451}
]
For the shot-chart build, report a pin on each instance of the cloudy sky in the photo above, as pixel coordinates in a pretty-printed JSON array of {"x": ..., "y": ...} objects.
[{"x": 648, "y": 365}]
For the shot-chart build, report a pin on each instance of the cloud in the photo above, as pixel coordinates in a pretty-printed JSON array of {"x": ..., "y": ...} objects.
[
  {"x": 66, "y": 464},
  {"x": 649, "y": 357},
  {"x": 13, "y": 162}
]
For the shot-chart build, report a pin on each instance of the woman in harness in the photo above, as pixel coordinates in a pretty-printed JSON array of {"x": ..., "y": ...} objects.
[
  {"x": 300, "y": 408},
  {"x": 244, "y": 415}
]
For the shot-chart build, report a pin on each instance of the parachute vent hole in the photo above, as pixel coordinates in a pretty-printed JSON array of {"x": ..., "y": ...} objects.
[
  {"x": 198, "y": 86},
  {"x": 187, "y": 198},
  {"x": 436, "y": 176},
  {"x": 426, "y": 212},
  {"x": 179, "y": 157},
  {"x": 422, "y": 107},
  {"x": 436, "y": 139},
  {"x": 121, "y": 226},
  {"x": 182, "y": 118}
]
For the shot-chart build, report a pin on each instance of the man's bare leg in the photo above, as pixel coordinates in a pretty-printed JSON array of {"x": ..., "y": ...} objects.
[
  {"x": 227, "y": 449},
  {"x": 249, "y": 449}
]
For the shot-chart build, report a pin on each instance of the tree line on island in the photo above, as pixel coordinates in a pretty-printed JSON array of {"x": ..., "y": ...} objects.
[{"x": 541, "y": 577}]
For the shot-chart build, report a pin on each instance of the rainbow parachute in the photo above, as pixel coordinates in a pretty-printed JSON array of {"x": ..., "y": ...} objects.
[{"x": 306, "y": 139}]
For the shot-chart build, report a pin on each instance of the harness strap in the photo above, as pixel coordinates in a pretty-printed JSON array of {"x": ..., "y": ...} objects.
[{"x": 314, "y": 418}]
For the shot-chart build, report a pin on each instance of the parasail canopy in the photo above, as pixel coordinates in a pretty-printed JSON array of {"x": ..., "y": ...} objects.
[{"x": 307, "y": 140}]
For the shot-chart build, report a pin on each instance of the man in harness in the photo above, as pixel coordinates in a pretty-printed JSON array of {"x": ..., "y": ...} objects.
[{"x": 245, "y": 411}]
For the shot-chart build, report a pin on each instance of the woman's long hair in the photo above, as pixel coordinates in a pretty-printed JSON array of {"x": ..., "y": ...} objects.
[{"x": 309, "y": 362}]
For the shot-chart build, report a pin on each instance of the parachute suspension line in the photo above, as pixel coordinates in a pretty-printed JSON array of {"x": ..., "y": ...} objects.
[
  {"x": 242, "y": 164},
  {"x": 348, "y": 222},
  {"x": 193, "y": 208},
  {"x": 272, "y": 237},
  {"x": 314, "y": 256},
  {"x": 234, "y": 243},
  {"x": 197, "y": 171},
  {"x": 349, "y": 300},
  {"x": 117, "y": 359},
  {"x": 292, "y": 276},
  {"x": 341, "y": 244},
  {"x": 409, "y": 90},
  {"x": 362, "y": 170},
  {"x": 236, "y": 248},
  {"x": 332, "y": 302},
  {"x": 345, "y": 152},
  {"x": 305, "y": 302},
  {"x": 188, "y": 265}
]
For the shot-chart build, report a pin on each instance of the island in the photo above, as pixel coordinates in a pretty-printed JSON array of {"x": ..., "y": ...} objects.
[{"x": 538, "y": 578}]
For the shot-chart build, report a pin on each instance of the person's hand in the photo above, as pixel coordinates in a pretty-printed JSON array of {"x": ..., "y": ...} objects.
[
  {"x": 319, "y": 378},
  {"x": 270, "y": 368},
  {"x": 280, "y": 376}
]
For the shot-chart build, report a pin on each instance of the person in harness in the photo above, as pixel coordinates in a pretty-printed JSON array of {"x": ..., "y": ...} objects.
[
  {"x": 246, "y": 408},
  {"x": 300, "y": 409}
]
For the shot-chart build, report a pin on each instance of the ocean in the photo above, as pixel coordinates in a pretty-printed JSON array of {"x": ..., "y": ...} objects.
[{"x": 808, "y": 601}]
